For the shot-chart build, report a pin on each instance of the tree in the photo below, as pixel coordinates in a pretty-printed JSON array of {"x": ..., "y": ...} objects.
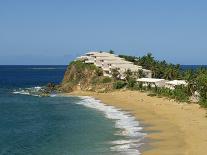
[
  {"x": 130, "y": 78},
  {"x": 139, "y": 74},
  {"x": 115, "y": 73},
  {"x": 111, "y": 52},
  {"x": 128, "y": 74},
  {"x": 171, "y": 72},
  {"x": 201, "y": 84},
  {"x": 99, "y": 72},
  {"x": 188, "y": 75}
]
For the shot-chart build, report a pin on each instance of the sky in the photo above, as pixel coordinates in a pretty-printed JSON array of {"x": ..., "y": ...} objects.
[{"x": 53, "y": 32}]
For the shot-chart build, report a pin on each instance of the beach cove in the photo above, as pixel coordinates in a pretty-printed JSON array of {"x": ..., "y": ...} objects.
[{"x": 173, "y": 128}]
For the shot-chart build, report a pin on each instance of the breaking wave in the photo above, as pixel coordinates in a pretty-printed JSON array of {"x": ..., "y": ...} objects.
[
  {"x": 33, "y": 91},
  {"x": 127, "y": 124}
]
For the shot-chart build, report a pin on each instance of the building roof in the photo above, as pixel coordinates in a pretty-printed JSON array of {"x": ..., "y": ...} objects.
[
  {"x": 101, "y": 54},
  {"x": 91, "y": 53},
  {"x": 177, "y": 82},
  {"x": 150, "y": 80},
  {"x": 110, "y": 58},
  {"x": 119, "y": 62},
  {"x": 146, "y": 70}
]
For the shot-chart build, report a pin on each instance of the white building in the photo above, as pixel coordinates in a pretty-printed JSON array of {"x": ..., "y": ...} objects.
[
  {"x": 152, "y": 82},
  {"x": 174, "y": 83},
  {"x": 108, "y": 61}
]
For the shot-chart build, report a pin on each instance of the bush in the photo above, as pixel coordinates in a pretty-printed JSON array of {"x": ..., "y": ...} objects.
[
  {"x": 106, "y": 80},
  {"x": 203, "y": 102},
  {"x": 131, "y": 83},
  {"x": 180, "y": 95},
  {"x": 99, "y": 72},
  {"x": 80, "y": 66},
  {"x": 119, "y": 84},
  {"x": 95, "y": 80}
]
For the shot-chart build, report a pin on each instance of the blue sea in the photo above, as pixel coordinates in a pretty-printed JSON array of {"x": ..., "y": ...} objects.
[
  {"x": 59, "y": 125},
  {"x": 192, "y": 67}
]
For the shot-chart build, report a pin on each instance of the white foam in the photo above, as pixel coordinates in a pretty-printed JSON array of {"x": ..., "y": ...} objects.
[
  {"x": 33, "y": 91},
  {"x": 53, "y": 95},
  {"x": 128, "y": 125}
]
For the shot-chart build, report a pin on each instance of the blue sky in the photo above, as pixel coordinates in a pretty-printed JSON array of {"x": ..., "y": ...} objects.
[{"x": 54, "y": 32}]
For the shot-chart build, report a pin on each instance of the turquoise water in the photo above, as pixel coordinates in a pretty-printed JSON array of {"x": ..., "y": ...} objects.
[{"x": 31, "y": 125}]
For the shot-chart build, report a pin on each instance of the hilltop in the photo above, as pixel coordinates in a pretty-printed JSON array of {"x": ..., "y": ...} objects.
[
  {"x": 104, "y": 72},
  {"x": 81, "y": 76}
]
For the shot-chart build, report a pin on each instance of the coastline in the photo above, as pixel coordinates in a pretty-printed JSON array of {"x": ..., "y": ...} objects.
[{"x": 173, "y": 128}]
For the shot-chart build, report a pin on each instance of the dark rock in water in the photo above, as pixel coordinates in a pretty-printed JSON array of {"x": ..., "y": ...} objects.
[
  {"x": 49, "y": 89},
  {"x": 51, "y": 86}
]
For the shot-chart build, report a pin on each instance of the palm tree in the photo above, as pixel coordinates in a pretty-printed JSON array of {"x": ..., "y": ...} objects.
[
  {"x": 128, "y": 74},
  {"x": 201, "y": 82},
  {"x": 139, "y": 74},
  {"x": 115, "y": 73},
  {"x": 111, "y": 52},
  {"x": 171, "y": 72}
]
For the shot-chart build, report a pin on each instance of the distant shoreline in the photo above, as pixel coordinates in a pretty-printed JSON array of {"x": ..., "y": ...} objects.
[{"x": 180, "y": 133}]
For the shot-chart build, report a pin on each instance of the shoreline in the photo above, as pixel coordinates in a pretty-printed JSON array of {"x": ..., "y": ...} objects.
[{"x": 172, "y": 128}]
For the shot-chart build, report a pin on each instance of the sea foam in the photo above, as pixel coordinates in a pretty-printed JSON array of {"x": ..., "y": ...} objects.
[
  {"x": 33, "y": 91},
  {"x": 127, "y": 124}
]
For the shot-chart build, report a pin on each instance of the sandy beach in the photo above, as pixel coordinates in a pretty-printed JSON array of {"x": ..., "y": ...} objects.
[{"x": 174, "y": 128}]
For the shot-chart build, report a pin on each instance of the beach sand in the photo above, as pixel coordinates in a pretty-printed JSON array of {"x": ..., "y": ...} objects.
[{"x": 174, "y": 129}]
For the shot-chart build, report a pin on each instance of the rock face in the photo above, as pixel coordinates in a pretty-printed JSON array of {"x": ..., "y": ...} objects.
[{"x": 81, "y": 76}]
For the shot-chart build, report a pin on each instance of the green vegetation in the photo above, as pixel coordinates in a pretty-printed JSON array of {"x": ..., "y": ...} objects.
[
  {"x": 196, "y": 79},
  {"x": 99, "y": 72},
  {"x": 106, "y": 80},
  {"x": 111, "y": 52},
  {"x": 179, "y": 93},
  {"x": 119, "y": 84},
  {"x": 115, "y": 74},
  {"x": 79, "y": 68},
  {"x": 80, "y": 75},
  {"x": 88, "y": 75},
  {"x": 160, "y": 69}
]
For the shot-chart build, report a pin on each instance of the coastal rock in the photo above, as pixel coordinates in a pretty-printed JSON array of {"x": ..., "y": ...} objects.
[{"x": 81, "y": 76}]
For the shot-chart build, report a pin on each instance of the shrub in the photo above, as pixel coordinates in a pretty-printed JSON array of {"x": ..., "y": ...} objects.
[
  {"x": 131, "y": 83},
  {"x": 180, "y": 94},
  {"x": 119, "y": 84},
  {"x": 94, "y": 80},
  {"x": 115, "y": 74},
  {"x": 203, "y": 102},
  {"x": 106, "y": 80},
  {"x": 99, "y": 72}
]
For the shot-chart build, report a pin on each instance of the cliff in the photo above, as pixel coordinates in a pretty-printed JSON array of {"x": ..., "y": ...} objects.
[{"x": 81, "y": 76}]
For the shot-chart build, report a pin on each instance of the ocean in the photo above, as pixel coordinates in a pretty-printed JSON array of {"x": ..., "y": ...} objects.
[
  {"x": 192, "y": 67},
  {"x": 59, "y": 125}
]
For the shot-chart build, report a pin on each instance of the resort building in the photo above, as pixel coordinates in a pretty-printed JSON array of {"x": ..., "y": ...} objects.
[
  {"x": 108, "y": 62},
  {"x": 152, "y": 82},
  {"x": 174, "y": 83}
]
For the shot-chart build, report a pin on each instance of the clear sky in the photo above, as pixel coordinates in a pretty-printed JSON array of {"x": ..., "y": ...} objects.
[{"x": 54, "y": 32}]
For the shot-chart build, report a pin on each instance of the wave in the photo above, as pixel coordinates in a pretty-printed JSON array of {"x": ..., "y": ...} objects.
[
  {"x": 33, "y": 91},
  {"x": 127, "y": 124}
]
